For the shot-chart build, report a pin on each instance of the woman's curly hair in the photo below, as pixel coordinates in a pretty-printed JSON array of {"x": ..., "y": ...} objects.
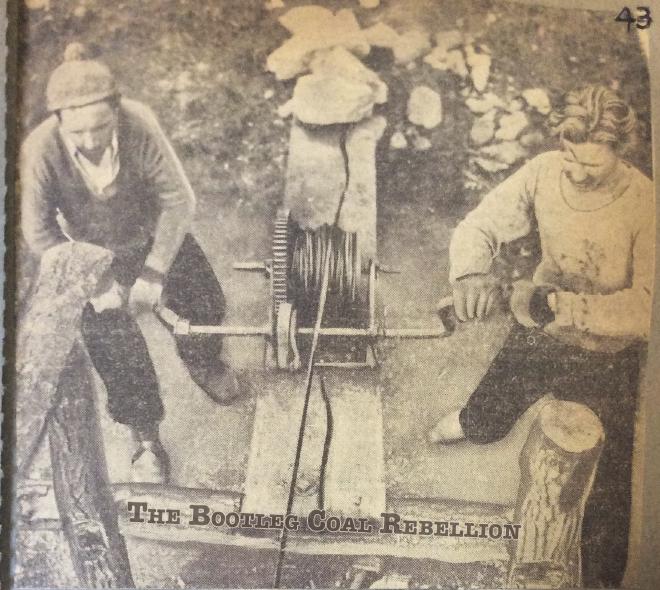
[{"x": 595, "y": 114}]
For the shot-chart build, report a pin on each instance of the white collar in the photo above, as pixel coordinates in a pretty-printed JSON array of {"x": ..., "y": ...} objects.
[{"x": 98, "y": 177}]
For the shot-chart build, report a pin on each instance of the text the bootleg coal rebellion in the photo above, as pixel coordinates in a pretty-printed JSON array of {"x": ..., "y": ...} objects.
[{"x": 317, "y": 521}]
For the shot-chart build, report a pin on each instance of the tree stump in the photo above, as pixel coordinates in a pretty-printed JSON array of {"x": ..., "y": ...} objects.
[
  {"x": 558, "y": 463},
  {"x": 54, "y": 391}
]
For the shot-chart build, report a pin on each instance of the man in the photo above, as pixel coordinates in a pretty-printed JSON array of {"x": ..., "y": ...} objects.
[
  {"x": 99, "y": 169},
  {"x": 589, "y": 311}
]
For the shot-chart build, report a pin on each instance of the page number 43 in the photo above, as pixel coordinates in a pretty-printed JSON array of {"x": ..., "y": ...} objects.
[{"x": 643, "y": 19}]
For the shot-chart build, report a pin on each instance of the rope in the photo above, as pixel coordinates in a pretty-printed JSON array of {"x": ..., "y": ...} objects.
[
  {"x": 325, "y": 275},
  {"x": 345, "y": 268}
]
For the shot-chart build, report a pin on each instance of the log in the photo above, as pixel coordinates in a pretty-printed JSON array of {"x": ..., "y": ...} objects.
[
  {"x": 68, "y": 276},
  {"x": 80, "y": 479},
  {"x": 54, "y": 392},
  {"x": 558, "y": 463}
]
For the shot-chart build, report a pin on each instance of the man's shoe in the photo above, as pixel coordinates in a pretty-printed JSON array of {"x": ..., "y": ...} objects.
[
  {"x": 220, "y": 384},
  {"x": 448, "y": 429},
  {"x": 150, "y": 463}
]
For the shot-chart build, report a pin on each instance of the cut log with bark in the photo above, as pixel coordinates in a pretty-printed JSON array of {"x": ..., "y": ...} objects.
[
  {"x": 558, "y": 463},
  {"x": 67, "y": 278},
  {"x": 55, "y": 393},
  {"x": 80, "y": 480}
]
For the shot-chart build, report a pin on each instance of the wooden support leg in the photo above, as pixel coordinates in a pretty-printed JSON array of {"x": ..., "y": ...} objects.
[{"x": 558, "y": 463}]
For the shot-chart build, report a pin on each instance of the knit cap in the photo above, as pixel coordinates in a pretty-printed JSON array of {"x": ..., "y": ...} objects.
[{"x": 79, "y": 81}]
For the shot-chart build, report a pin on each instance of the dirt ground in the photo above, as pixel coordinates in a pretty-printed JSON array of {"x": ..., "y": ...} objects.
[{"x": 201, "y": 67}]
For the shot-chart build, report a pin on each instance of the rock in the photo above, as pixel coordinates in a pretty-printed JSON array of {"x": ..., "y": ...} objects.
[
  {"x": 452, "y": 61},
  {"x": 511, "y": 126},
  {"x": 187, "y": 101},
  {"x": 456, "y": 63},
  {"x": 392, "y": 581},
  {"x": 345, "y": 21},
  {"x": 183, "y": 81},
  {"x": 479, "y": 65},
  {"x": 370, "y": 3},
  {"x": 38, "y": 4},
  {"x": 291, "y": 58},
  {"x": 485, "y": 103},
  {"x": 422, "y": 143},
  {"x": 507, "y": 152},
  {"x": 328, "y": 100},
  {"x": 517, "y": 104},
  {"x": 398, "y": 141},
  {"x": 490, "y": 165},
  {"x": 313, "y": 31},
  {"x": 165, "y": 84},
  {"x": 269, "y": 93},
  {"x": 273, "y": 4},
  {"x": 425, "y": 107},
  {"x": 446, "y": 40},
  {"x": 532, "y": 138},
  {"x": 338, "y": 62},
  {"x": 303, "y": 19},
  {"x": 411, "y": 45},
  {"x": 381, "y": 35},
  {"x": 538, "y": 99},
  {"x": 80, "y": 11},
  {"x": 491, "y": 17},
  {"x": 483, "y": 129}
]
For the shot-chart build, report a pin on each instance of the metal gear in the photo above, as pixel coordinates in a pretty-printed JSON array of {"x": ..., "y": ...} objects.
[{"x": 282, "y": 250}]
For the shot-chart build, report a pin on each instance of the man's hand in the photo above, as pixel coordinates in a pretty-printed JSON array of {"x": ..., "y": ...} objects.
[
  {"x": 144, "y": 295},
  {"x": 111, "y": 298},
  {"x": 474, "y": 296}
]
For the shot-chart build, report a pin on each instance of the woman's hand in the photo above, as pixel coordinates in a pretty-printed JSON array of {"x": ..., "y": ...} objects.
[{"x": 474, "y": 296}]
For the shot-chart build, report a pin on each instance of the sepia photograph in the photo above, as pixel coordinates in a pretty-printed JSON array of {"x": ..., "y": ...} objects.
[{"x": 330, "y": 294}]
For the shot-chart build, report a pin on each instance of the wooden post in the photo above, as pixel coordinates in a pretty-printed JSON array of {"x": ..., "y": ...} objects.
[
  {"x": 316, "y": 177},
  {"x": 54, "y": 392},
  {"x": 558, "y": 463}
]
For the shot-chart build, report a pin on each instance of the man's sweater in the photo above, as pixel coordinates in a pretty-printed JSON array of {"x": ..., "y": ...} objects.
[
  {"x": 597, "y": 247},
  {"x": 152, "y": 198}
]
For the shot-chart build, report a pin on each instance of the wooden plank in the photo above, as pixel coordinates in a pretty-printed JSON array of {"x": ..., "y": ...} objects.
[
  {"x": 355, "y": 479},
  {"x": 273, "y": 446},
  {"x": 359, "y": 213},
  {"x": 316, "y": 177}
]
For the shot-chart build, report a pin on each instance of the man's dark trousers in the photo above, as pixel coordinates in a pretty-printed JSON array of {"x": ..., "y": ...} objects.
[
  {"x": 118, "y": 349},
  {"x": 532, "y": 364}
]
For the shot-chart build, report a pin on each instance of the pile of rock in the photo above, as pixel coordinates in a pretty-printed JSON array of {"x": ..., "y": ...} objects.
[
  {"x": 325, "y": 54},
  {"x": 503, "y": 131},
  {"x": 333, "y": 85}
]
